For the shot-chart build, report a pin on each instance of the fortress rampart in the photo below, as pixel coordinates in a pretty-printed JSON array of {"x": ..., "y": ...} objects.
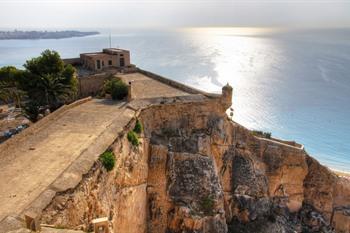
[{"x": 195, "y": 170}]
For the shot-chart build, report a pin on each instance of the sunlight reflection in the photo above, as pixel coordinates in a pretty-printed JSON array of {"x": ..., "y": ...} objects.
[
  {"x": 233, "y": 31},
  {"x": 240, "y": 61}
]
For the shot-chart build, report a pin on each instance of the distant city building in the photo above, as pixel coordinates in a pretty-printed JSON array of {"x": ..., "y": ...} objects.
[{"x": 108, "y": 58}]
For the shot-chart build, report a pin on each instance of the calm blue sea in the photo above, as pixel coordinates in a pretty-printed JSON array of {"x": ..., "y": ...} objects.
[{"x": 295, "y": 84}]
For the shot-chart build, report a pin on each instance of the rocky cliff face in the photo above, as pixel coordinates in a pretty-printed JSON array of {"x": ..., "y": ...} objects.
[{"x": 197, "y": 171}]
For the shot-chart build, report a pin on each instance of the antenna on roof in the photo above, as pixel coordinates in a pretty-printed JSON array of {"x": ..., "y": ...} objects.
[{"x": 110, "y": 40}]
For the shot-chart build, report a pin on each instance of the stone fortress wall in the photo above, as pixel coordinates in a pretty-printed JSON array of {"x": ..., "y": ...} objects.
[
  {"x": 161, "y": 188},
  {"x": 193, "y": 156}
]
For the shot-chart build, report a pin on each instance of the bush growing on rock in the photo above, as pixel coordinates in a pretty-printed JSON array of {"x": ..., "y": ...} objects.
[
  {"x": 116, "y": 88},
  {"x": 263, "y": 134},
  {"x": 138, "y": 127},
  {"x": 207, "y": 205},
  {"x": 108, "y": 160},
  {"x": 132, "y": 137}
]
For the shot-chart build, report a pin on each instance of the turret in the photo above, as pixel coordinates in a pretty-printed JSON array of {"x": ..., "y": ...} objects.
[{"x": 226, "y": 96}]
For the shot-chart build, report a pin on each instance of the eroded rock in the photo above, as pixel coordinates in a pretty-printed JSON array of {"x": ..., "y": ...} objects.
[{"x": 197, "y": 171}]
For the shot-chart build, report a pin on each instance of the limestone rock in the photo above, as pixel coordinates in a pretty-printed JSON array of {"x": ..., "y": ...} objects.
[{"x": 197, "y": 171}]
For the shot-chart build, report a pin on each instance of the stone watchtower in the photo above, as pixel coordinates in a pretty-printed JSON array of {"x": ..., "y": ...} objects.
[{"x": 226, "y": 96}]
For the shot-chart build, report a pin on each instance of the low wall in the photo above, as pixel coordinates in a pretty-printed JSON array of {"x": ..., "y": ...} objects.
[
  {"x": 175, "y": 84},
  {"x": 288, "y": 144},
  {"x": 91, "y": 85},
  {"x": 291, "y": 143},
  {"x": 13, "y": 141},
  {"x": 72, "y": 61}
]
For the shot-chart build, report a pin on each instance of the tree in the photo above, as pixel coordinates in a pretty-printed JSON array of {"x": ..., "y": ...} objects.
[
  {"x": 9, "y": 85},
  {"x": 48, "y": 82},
  {"x": 116, "y": 88}
]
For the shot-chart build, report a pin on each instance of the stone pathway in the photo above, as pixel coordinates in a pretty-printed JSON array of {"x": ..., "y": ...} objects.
[
  {"x": 54, "y": 156},
  {"x": 39, "y": 160},
  {"x": 144, "y": 87}
]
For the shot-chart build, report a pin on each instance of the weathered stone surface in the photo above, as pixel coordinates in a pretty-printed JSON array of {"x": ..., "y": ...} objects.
[
  {"x": 192, "y": 178},
  {"x": 247, "y": 181},
  {"x": 263, "y": 182},
  {"x": 159, "y": 204},
  {"x": 11, "y": 223},
  {"x": 131, "y": 210},
  {"x": 197, "y": 171},
  {"x": 319, "y": 187},
  {"x": 286, "y": 170},
  {"x": 341, "y": 219},
  {"x": 47, "y": 230},
  {"x": 119, "y": 194},
  {"x": 181, "y": 220}
]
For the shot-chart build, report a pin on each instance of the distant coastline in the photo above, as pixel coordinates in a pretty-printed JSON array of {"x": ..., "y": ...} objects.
[{"x": 30, "y": 35}]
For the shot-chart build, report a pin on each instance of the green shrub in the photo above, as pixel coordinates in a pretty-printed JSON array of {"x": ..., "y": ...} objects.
[
  {"x": 138, "y": 127},
  {"x": 207, "y": 205},
  {"x": 132, "y": 137},
  {"x": 263, "y": 134},
  {"x": 31, "y": 110},
  {"x": 116, "y": 88},
  {"x": 108, "y": 160}
]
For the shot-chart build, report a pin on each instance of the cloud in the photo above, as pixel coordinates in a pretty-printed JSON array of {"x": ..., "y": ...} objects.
[{"x": 172, "y": 13}]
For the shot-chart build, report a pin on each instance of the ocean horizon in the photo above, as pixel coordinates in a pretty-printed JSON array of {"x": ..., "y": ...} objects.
[{"x": 292, "y": 83}]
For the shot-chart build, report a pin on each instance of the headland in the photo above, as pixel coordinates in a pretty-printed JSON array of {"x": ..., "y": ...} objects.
[{"x": 34, "y": 35}]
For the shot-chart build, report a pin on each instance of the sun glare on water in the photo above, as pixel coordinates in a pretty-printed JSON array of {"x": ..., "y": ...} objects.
[
  {"x": 240, "y": 57},
  {"x": 232, "y": 31}
]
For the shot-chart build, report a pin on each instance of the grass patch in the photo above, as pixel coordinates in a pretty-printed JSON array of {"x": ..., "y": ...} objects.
[
  {"x": 108, "y": 160},
  {"x": 260, "y": 133},
  {"x": 138, "y": 127},
  {"x": 133, "y": 138}
]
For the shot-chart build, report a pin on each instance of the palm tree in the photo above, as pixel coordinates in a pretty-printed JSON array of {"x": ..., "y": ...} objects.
[
  {"x": 54, "y": 90},
  {"x": 10, "y": 93},
  {"x": 48, "y": 82}
]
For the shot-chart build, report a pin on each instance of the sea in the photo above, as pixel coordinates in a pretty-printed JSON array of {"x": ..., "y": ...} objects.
[{"x": 294, "y": 83}]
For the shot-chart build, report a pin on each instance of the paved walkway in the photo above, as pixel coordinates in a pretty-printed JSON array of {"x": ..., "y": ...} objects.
[
  {"x": 32, "y": 166},
  {"x": 44, "y": 162},
  {"x": 145, "y": 87}
]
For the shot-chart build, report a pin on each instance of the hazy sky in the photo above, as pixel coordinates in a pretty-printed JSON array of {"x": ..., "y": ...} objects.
[{"x": 173, "y": 13}]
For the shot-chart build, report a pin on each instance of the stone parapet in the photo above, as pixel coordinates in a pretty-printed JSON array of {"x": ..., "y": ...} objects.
[{"x": 177, "y": 85}]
